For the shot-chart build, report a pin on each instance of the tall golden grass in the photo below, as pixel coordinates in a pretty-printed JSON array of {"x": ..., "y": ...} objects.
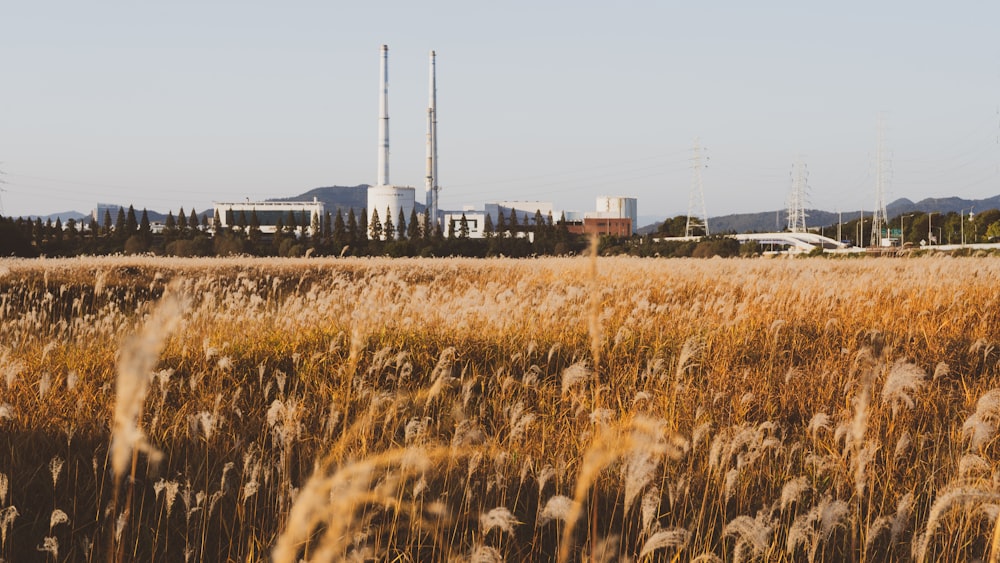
[{"x": 574, "y": 409}]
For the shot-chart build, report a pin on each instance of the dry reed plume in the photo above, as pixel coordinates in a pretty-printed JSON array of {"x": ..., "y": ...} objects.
[{"x": 486, "y": 410}]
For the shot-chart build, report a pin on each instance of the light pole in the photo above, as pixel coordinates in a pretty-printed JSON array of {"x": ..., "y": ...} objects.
[
  {"x": 901, "y": 229},
  {"x": 961, "y": 220}
]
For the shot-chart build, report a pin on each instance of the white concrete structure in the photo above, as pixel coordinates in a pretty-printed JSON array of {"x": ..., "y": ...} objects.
[
  {"x": 268, "y": 213},
  {"x": 431, "y": 188},
  {"x": 524, "y": 210},
  {"x": 383, "y": 119},
  {"x": 384, "y": 198},
  {"x": 391, "y": 199},
  {"x": 474, "y": 219}
]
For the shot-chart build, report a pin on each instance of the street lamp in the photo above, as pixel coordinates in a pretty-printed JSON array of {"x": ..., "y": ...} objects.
[
  {"x": 901, "y": 229},
  {"x": 961, "y": 220}
]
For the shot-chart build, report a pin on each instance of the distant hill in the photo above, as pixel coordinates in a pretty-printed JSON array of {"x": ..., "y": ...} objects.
[{"x": 768, "y": 221}]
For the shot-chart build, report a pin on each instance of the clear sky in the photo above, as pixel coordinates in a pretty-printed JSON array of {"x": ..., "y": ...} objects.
[{"x": 182, "y": 103}]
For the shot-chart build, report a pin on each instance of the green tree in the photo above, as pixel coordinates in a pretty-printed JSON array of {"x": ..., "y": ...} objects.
[
  {"x": 107, "y": 222},
  {"x": 182, "y": 220},
  {"x": 513, "y": 222},
  {"x": 339, "y": 233},
  {"x": 389, "y": 228},
  {"x": 463, "y": 227},
  {"x": 501, "y": 226},
  {"x": 169, "y": 226},
  {"x": 120, "y": 224},
  {"x": 193, "y": 221},
  {"x": 413, "y": 226},
  {"x": 131, "y": 225},
  {"x": 144, "y": 229},
  {"x": 375, "y": 228},
  {"x": 401, "y": 225},
  {"x": 488, "y": 231},
  {"x": 253, "y": 233},
  {"x": 352, "y": 227}
]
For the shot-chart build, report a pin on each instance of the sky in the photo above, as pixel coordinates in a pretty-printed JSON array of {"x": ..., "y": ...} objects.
[{"x": 184, "y": 103}]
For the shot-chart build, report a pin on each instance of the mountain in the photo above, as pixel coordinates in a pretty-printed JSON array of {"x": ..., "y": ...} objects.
[{"x": 769, "y": 221}]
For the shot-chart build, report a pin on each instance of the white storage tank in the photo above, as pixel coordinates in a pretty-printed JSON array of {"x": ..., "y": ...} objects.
[{"x": 390, "y": 198}]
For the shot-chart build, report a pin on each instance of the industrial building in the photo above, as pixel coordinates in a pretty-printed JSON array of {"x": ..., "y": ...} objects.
[
  {"x": 611, "y": 226},
  {"x": 524, "y": 211},
  {"x": 475, "y": 220},
  {"x": 616, "y": 207},
  {"x": 269, "y": 213}
]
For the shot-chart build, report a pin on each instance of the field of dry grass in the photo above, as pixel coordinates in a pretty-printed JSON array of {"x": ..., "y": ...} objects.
[{"x": 488, "y": 410}]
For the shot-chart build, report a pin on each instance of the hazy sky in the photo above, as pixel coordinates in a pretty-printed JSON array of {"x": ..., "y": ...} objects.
[{"x": 182, "y": 103}]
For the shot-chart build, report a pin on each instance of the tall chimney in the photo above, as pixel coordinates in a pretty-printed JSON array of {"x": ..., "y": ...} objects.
[
  {"x": 383, "y": 121},
  {"x": 431, "y": 180}
]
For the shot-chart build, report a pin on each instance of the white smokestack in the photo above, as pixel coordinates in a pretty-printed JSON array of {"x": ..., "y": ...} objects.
[
  {"x": 383, "y": 121},
  {"x": 432, "y": 179}
]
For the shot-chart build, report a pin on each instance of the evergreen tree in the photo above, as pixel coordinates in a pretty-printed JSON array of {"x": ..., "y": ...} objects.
[
  {"x": 182, "y": 220},
  {"x": 216, "y": 221},
  {"x": 131, "y": 225},
  {"x": 363, "y": 224},
  {"x": 290, "y": 223},
  {"x": 230, "y": 220},
  {"x": 390, "y": 229},
  {"x": 428, "y": 230},
  {"x": 413, "y": 226},
  {"x": 242, "y": 223},
  {"x": 352, "y": 227},
  {"x": 513, "y": 222},
  {"x": 204, "y": 222},
  {"x": 279, "y": 234},
  {"x": 193, "y": 220},
  {"x": 401, "y": 225},
  {"x": 38, "y": 232},
  {"x": 144, "y": 229},
  {"x": 107, "y": 222},
  {"x": 57, "y": 230},
  {"x": 328, "y": 223},
  {"x": 451, "y": 230},
  {"x": 94, "y": 228},
  {"x": 120, "y": 224},
  {"x": 254, "y": 227},
  {"x": 169, "y": 225},
  {"x": 501, "y": 225},
  {"x": 463, "y": 227},
  {"x": 375, "y": 229},
  {"x": 339, "y": 234},
  {"x": 488, "y": 231}
]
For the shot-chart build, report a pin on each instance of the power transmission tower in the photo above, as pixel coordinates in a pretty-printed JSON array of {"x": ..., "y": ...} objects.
[
  {"x": 879, "y": 217},
  {"x": 697, "y": 196},
  {"x": 797, "y": 198}
]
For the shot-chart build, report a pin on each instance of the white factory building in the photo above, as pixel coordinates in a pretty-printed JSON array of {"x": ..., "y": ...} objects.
[
  {"x": 524, "y": 211},
  {"x": 305, "y": 213},
  {"x": 474, "y": 219}
]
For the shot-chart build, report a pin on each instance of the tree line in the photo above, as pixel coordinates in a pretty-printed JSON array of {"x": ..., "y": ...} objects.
[{"x": 295, "y": 234}]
